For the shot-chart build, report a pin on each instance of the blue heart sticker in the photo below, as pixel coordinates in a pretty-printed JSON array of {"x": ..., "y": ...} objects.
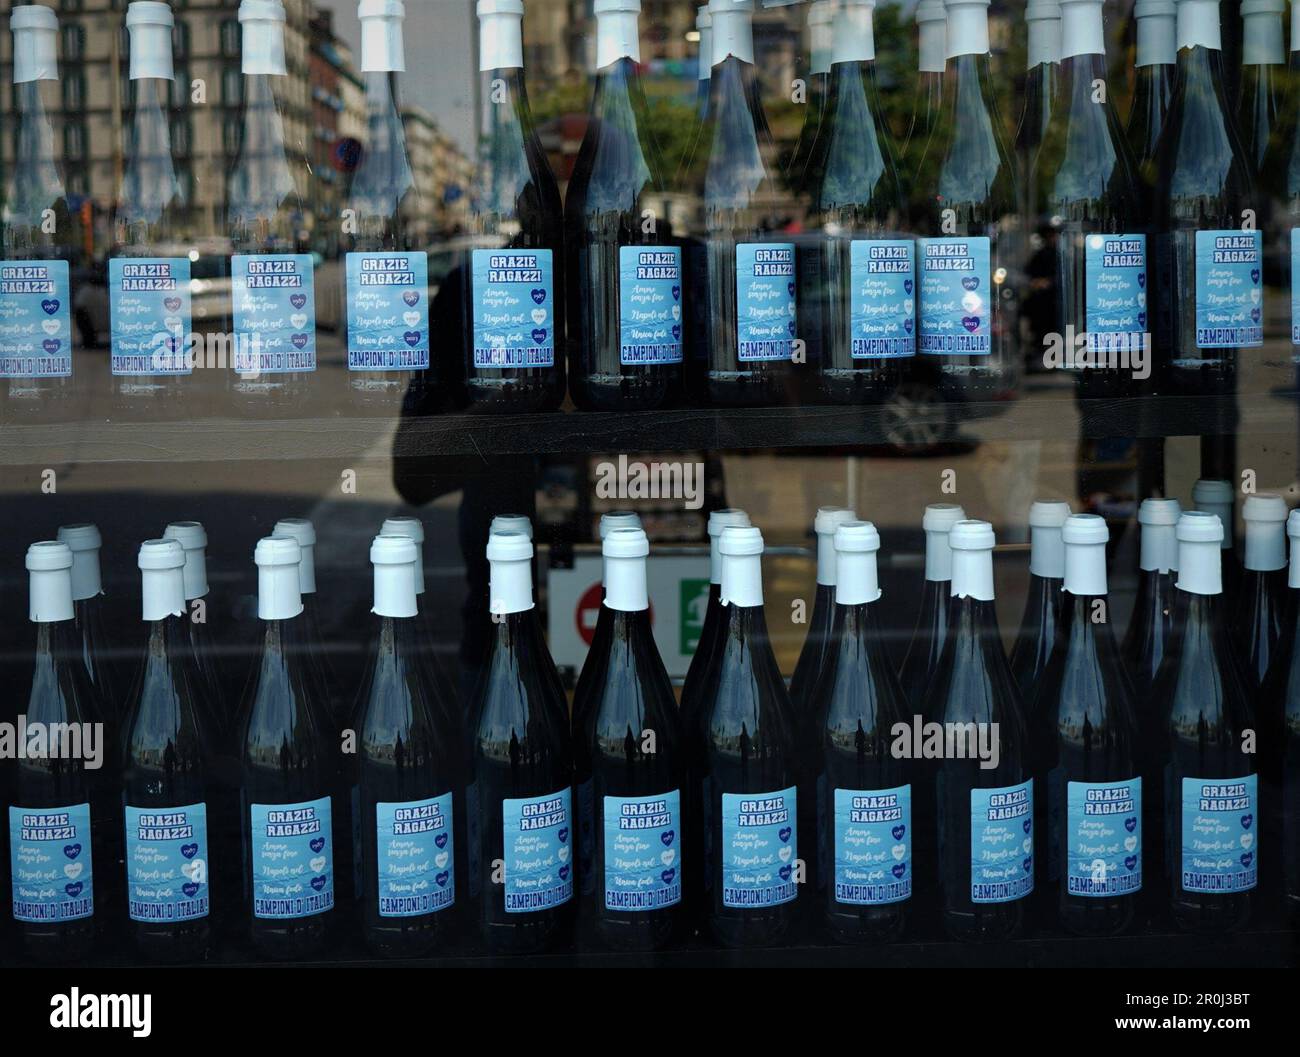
[
  {"x": 189, "y": 888},
  {"x": 564, "y": 873},
  {"x": 72, "y": 850},
  {"x": 442, "y": 878},
  {"x": 898, "y": 869},
  {"x": 317, "y": 843},
  {"x": 667, "y": 876},
  {"x": 1131, "y": 862},
  {"x": 411, "y": 298},
  {"x": 1027, "y": 824},
  {"x": 297, "y": 300},
  {"x": 1131, "y": 823},
  {"x": 907, "y": 286},
  {"x": 677, "y": 293},
  {"x": 1028, "y": 864},
  {"x": 1247, "y": 858},
  {"x": 440, "y": 840},
  {"x": 412, "y": 338},
  {"x": 320, "y": 882},
  {"x": 563, "y": 835},
  {"x": 667, "y": 837},
  {"x": 190, "y": 850},
  {"x": 784, "y": 833},
  {"x": 539, "y": 334},
  {"x": 51, "y": 345},
  {"x": 299, "y": 340},
  {"x": 73, "y": 889},
  {"x": 50, "y": 305},
  {"x": 1246, "y": 820},
  {"x": 539, "y": 295},
  {"x": 970, "y": 282},
  {"x": 784, "y": 873},
  {"x": 898, "y": 832}
]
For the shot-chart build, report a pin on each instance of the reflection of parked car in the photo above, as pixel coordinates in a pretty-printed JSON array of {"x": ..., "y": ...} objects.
[{"x": 924, "y": 412}]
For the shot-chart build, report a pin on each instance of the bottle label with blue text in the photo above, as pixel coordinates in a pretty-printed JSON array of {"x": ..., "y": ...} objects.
[
  {"x": 50, "y": 863},
  {"x": 149, "y": 315},
  {"x": 35, "y": 319},
  {"x": 1229, "y": 289},
  {"x": 538, "y": 846},
  {"x": 514, "y": 308},
  {"x": 1295, "y": 286},
  {"x": 292, "y": 859},
  {"x": 1115, "y": 299},
  {"x": 643, "y": 869},
  {"x": 765, "y": 301},
  {"x": 167, "y": 863},
  {"x": 1002, "y": 843},
  {"x": 415, "y": 857},
  {"x": 388, "y": 311},
  {"x": 649, "y": 304},
  {"x": 1103, "y": 838},
  {"x": 1218, "y": 834},
  {"x": 956, "y": 295},
  {"x": 882, "y": 301},
  {"x": 759, "y": 848},
  {"x": 873, "y": 845},
  {"x": 275, "y": 313}
]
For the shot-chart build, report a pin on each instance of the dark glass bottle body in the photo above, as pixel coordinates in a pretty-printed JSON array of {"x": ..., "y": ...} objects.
[
  {"x": 699, "y": 676},
  {"x": 1037, "y": 635},
  {"x": 1260, "y": 610},
  {"x": 814, "y": 117},
  {"x": 1153, "y": 91},
  {"x": 1042, "y": 89},
  {"x": 1258, "y": 101},
  {"x": 927, "y": 643},
  {"x": 1285, "y": 777},
  {"x": 1279, "y": 181},
  {"x": 927, "y": 109},
  {"x": 818, "y": 651}
]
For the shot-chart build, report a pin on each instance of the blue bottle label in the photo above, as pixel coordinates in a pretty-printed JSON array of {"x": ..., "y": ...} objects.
[
  {"x": 956, "y": 290},
  {"x": 1218, "y": 834},
  {"x": 586, "y": 848},
  {"x": 759, "y": 848},
  {"x": 417, "y": 872},
  {"x": 1295, "y": 286},
  {"x": 537, "y": 833},
  {"x": 388, "y": 311},
  {"x": 1115, "y": 298},
  {"x": 765, "y": 301},
  {"x": 35, "y": 319},
  {"x": 643, "y": 869},
  {"x": 873, "y": 845},
  {"x": 1002, "y": 843},
  {"x": 167, "y": 863},
  {"x": 1104, "y": 838},
  {"x": 514, "y": 308},
  {"x": 293, "y": 859},
  {"x": 649, "y": 304},
  {"x": 274, "y": 301},
  {"x": 149, "y": 315},
  {"x": 50, "y": 863},
  {"x": 882, "y": 307},
  {"x": 1229, "y": 289}
]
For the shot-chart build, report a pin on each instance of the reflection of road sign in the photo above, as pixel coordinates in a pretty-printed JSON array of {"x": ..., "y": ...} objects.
[
  {"x": 588, "y": 612},
  {"x": 694, "y": 603},
  {"x": 347, "y": 152}
]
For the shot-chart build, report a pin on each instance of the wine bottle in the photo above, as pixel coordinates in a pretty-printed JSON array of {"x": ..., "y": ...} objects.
[
  {"x": 1085, "y": 739},
  {"x": 1217, "y": 497},
  {"x": 744, "y": 277},
  {"x": 523, "y": 769},
  {"x": 167, "y": 776},
  {"x": 1209, "y": 253},
  {"x": 1263, "y": 59},
  {"x": 52, "y": 843},
  {"x": 931, "y": 631},
  {"x": 703, "y": 59},
  {"x": 1151, "y": 625},
  {"x": 1043, "y": 56},
  {"x": 1087, "y": 188},
  {"x": 215, "y": 688},
  {"x": 149, "y": 267},
  {"x": 1282, "y": 761},
  {"x": 821, "y": 16},
  {"x": 927, "y": 102},
  {"x": 626, "y": 293},
  {"x": 85, "y": 542},
  {"x": 289, "y": 768},
  {"x": 321, "y": 669},
  {"x": 1261, "y": 602},
  {"x": 406, "y": 771},
  {"x": 1211, "y": 802},
  {"x": 970, "y": 202},
  {"x": 630, "y": 749},
  {"x": 513, "y": 317},
  {"x": 272, "y": 289},
  {"x": 1043, "y": 600},
  {"x": 985, "y": 802},
  {"x": 386, "y": 266},
  {"x": 864, "y": 811},
  {"x": 1156, "y": 66},
  {"x": 37, "y": 239},
  {"x": 745, "y": 768},
  {"x": 858, "y": 273}
]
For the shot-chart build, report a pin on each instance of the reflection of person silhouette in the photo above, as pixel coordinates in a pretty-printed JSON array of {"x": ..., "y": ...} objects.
[{"x": 1038, "y": 307}]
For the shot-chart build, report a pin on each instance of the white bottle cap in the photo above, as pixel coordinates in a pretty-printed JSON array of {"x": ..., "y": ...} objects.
[
  {"x": 616, "y": 519},
  {"x": 625, "y": 550},
  {"x": 1216, "y": 497},
  {"x": 1198, "y": 24},
  {"x": 162, "y": 579},
  {"x": 1200, "y": 570},
  {"x": 303, "y": 532},
  {"x": 396, "y": 561},
  {"x": 1261, "y": 32},
  {"x": 49, "y": 597},
  {"x": 85, "y": 542},
  {"x": 1046, "y": 551},
  {"x": 821, "y": 15},
  {"x": 279, "y": 595},
  {"x": 1082, "y": 31},
  {"x": 932, "y": 36},
  {"x": 1156, "y": 32},
  {"x": 828, "y": 519},
  {"x": 972, "y": 545},
  {"x": 1044, "y": 45},
  {"x": 194, "y": 541},
  {"x": 382, "y": 48},
  {"x": 719, "y": 520},
  {"x": 617, "y": 35},
  {"x": 500, "y": 36},
  {"x": 263, "y": 37},
  {"x": 1293, "y": 532},
  {"x": 413, "y": 529},
  {"x": 733, "y": 29},
  {"x": 1085, "y": 537},
  {"x": 511, "y": 523},
  {"x": 704, "y": 50},
  {"x": 938, "y": 519},
  {"x": 510, "y": 587},
  {"x": 1159, "y": 541},
  {"x": 36, "y": 33},
  {"x": 968, "y": 27},
  {"x": 741, "y": 547},
  {"x": 856, "y": 543},
  {"x": 853, "y": 35},
  {"x": 150, "y": 24},
  {"x": 1265, "y": 516}
]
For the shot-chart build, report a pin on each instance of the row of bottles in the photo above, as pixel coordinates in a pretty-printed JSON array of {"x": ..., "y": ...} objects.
[
  {"x": 983, "y": 789},
  {"x": 915, "y": 256}
]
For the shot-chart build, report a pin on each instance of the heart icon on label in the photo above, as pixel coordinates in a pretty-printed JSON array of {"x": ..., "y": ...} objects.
[
  {"x": 189, "y": 888},
  {"x": 563, "y": 835},
  {"x": 907, "y": 287},
  {"x": 898, "y": 869},
  {"x": 411, "y": 319},
  {"x": 907, "y": 325},
  {"x": 677, "y": 332},
  {"x": 50, "y": 305},
  {"x": 172, "y": 304},
  {"x": 319, "y": 883},
  {"x": 317, "y": 843},
  {"x": 784, "y": 873},
  {"x": 1142, "y": 279},
  {"x": 899, "y": 852},
  {"x": 192, "y": 870},
  {"x": 667, "y": 876},
  {"x": 784, "y": 853},
  {"x": 677, "y": 293},
  {"x": 317, "y": 864},
  {"x": 411, "y": 298},
  {"x": 412, "y": 338},
  {"x": 1130, "y": 862},
  {"x": 970, "y": 282},
  {"x": 51, "y": 326},
  {"x": 300, "y": 340},
  {"x": 72, "y": 850},
  {"x": 1027, "y": 825},
  {"x": 1247, "y": 859},
  {"x": 564, "y": 873},
  {"x": 1142, "y": 319},
  {"x": 784, "y": 833},
  {"x": 1131, "y": 823},
  {"x": 298, "y": 300},
  {"x": 667, "y": 837},
  {"x": 442, "y": 878},
  {"x": 538, "y": 296},
  {"x": 1247, "y": 839},
  {"x": 1255, "y": 295},
  {"x": 539, "y": 316},
  {"x": 539, "y": 335},
  {"x": 1027, "y": 844},
  {"x": 51, "y": 345},
  {"x": 1028, "y": 865},
  {"x": 441, "y": 859},
  {"x": 971, "y": 323},
  {"x": 73, "y": 870},
  {"x": 173, "y": 324},
  {"x": 440, "y": 840},
  {"x": 1246, "y": 821},
  {"x": 897, "y": 832},
  {"x": 790, "y": 328},
  {"x": 668, "y": 857},
  {"x": 562, "y": 853},
  {"x": 1254, "y": 315},
  {"x": 298, "y": 320},
  {"x": 1254, "y": 275},
  {"x": 74, "y": 889},
  {"x": 190, "y": 850},
  {"x": 677, "y": 312},
  {"x": 1142, "y": 300},
  {"x": 1130, "y": 843}
]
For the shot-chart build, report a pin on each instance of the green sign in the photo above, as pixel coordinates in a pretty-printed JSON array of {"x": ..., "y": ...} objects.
[{"x": 694, "y": 603}]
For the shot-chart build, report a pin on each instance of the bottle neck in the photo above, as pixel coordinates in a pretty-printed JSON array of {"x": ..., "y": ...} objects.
[
  {"x": 262, "y": 53},
  {"x": 1046, "y": 553},
  {"x": 858, "y": 583},
  {"x": 972, "y": 574},
  {"x": 279, "y": 595},
  {"x": 1159, "y": 548},
  {"x": 1085, "y": 569},
  {"x": 853, "y": 38},
  {"x": 395, "y": 591},
  {"x": 49, "y": 596},
  {"x": 1082, "y": 31},
  {"x": 1261, "y": 39},
  {"x": 1044, "y": 42},
  {"x": 501, "y": 45},
  {"x": 826, "y": 559},
  {"x": 1198, "y": 25},
  {"x": 968, "y": 30},
  {"x": 1157, "y": 40},
  {"x": 162, "y": 593},
  {"x": 510, "y": 587},
  {"x": 625, "y": 584},
  {"x": 1265, "y": 545},
  {"x": 733, "y": 34},
  {"x": 86, "y": 582},
  {"x": 617, "y": 37},
  {"x": 932, "y": 39},
  {"x": 1200, "y": 569},
  {"x": 938, "y": 557},
  {"x": 742, "y": 574}
]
